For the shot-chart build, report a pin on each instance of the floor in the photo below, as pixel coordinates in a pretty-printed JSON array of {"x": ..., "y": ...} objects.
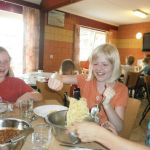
[{"x": 139, "y": 132}]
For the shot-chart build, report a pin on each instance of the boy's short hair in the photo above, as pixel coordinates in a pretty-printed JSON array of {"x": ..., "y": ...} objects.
[
  {"x": 66, "y": 66},
  {"x": 146, "y": 60},
  {"x": 113, "y": 57},
  {"x": 130, "y": 60}
]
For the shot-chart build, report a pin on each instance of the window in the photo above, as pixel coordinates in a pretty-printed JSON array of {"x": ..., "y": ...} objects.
[
  {"x": 11, "y": 38},
  {"x": 90, "y": 39}
]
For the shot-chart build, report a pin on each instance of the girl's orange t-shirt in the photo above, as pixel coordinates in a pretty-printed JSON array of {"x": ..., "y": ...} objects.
[{"x": 89, "y": 91}]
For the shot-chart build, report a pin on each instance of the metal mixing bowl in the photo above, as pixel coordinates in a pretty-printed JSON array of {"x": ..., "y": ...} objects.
[
  {"x": 16, "y": 124},
  {"x": 59, "y": 130}
]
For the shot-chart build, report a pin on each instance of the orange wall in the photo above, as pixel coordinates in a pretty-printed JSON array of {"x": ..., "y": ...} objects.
[
  {"x": 59, "y": 42},
  {"x": 127, "y": 42}
]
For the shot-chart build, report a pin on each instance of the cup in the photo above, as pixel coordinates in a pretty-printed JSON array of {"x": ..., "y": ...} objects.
[
  {"x": 40, "y": 71},
  {"x": 3, "y": 109},
  {"x": 5, "y": 106},
  {"x": 26, "y": 109},
  {"x": 41, "y": 137}
]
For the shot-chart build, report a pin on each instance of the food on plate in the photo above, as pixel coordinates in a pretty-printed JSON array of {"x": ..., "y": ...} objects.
[
  {"x": 77, "y": 111},
  {"x": 7, "y": 134}
]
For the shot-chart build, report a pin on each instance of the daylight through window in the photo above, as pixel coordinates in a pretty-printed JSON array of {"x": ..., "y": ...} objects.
[
  {"x": 11, "y": 38},
  {"x": 90, "y": 39}
]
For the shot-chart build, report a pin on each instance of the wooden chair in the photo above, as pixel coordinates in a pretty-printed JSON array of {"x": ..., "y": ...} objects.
[
  {"x": 49, "y": 94},
  {"x": 130, "y": 116},
  {"x": 132, "y": 79},
  {"x": 147, "y": 108}
]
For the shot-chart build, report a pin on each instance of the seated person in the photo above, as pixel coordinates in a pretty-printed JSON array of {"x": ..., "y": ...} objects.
[
  {"x": 128, "y": 67},
  {"x": 104, "y": 72},
  {"x": 140, "y": 87},
  {"x": 146, "y": 68},
  {"x": 68, "y": 68},
  {"x": 13, "y": 89}
]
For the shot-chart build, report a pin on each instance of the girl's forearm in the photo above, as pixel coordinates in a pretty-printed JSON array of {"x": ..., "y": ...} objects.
[
  {"x": 115, "y": 142},
  {"x": 113, "y": 117}
]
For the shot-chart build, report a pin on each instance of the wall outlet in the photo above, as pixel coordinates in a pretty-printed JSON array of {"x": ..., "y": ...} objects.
[{"x": 51, "y": 56}]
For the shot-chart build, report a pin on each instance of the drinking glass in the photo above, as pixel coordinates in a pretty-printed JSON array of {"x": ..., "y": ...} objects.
[
  {"x": 26, "y": 109},
  {"x": 41, "y": 137},
  {"x": 5, "y": 106},
  {"x": 3, "y": 109}
]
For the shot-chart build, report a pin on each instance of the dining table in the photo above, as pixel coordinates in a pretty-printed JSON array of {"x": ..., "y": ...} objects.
[
  {"x": 31, "y": 77},
  {"x": 54, "y": 144}
]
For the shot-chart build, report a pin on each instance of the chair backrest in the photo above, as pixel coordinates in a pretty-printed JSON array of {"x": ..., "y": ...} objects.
[
  {"x": 130, "y": 116},
  {"x": 49, "y": 94},
  {"x": 147, "y": 84},
  {"x": 132, "y": 78}
]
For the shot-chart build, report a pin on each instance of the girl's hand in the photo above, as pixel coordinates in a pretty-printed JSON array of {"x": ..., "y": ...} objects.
[
  {"x": 55, "y": 82},
  {"x": 109, "y": 93},
  {"x": 24, "y": 97},
  {"x": 86, "y": 131}
]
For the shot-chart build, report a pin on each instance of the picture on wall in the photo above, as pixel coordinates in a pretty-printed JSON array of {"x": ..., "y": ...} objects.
[{"x": 56, "y": 18}]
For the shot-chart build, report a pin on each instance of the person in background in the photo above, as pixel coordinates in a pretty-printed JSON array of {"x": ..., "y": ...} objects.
[
  {"x": 128, "y": 67},
  {"x": 146, "y": 69},
  {"x": 67, "y": 67},
  {"x": 101, "y": 87},
  {"x": 140, "y": 87},
  {"x": 89, "y": 132},
  {"x": 13, "y": 89}
]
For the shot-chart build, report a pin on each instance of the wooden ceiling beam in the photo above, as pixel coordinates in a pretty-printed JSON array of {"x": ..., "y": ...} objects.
[
  {"x": 54, "y": 4},
  {"x": 23, "y": 3}
]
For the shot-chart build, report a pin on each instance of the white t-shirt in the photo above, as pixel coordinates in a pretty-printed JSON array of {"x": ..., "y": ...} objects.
[{"x": 125, "y": 69}]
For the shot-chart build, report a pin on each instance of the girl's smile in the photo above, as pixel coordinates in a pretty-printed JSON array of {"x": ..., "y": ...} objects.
[{"x": 102, "y": 68}]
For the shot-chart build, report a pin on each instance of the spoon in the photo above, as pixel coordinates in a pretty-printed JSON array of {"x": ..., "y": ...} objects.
[
  {"x": 74, "y": 138},
  {"x": 94, "y": 113},
  {"x": 95, "y": 110},
  {"x": 24, "y": 133}
]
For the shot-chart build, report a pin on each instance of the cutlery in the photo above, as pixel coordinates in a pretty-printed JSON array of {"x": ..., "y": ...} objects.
[
  {"x": 78, "y": 146},
  {"x": 96, "y": 109}
]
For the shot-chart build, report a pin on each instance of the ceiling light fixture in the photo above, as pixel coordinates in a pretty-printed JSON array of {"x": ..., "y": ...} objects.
[{"x": 140, "y": 13}]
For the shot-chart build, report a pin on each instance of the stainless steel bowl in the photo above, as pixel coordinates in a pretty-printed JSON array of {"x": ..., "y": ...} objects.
[
  {"x": 16, "y": 124},
  {"x": 59, "y": 130}
]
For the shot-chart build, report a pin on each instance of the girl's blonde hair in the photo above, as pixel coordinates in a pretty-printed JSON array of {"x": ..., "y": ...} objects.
[
  {"x": 2, "y": 49},
  {"x": 113, "y": 57},
  {"x": 10, "y": 72}
]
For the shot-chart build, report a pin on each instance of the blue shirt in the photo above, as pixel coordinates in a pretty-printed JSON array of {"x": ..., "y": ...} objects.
[{"x": 146, "y": 70}]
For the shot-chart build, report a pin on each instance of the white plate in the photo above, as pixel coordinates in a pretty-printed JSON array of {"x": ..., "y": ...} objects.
[{"x": 44, "y": 110}]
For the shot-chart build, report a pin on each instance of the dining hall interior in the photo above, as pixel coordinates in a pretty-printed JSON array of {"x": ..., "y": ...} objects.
[{"x": 49, "y": 31}]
